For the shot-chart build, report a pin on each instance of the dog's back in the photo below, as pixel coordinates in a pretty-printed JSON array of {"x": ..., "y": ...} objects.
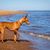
[{"x": 9, "y": 25}]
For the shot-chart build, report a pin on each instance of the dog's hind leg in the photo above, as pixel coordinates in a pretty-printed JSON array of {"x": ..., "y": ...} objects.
[
  {"x": 15, "y": 36},
  {"x": 2, "y": 33}
]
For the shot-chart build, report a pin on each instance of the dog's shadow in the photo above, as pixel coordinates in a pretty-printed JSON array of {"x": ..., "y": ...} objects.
[{"x": 13, "y": 40}]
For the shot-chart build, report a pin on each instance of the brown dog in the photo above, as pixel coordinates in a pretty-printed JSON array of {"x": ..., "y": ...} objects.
[{"x": 14, "y": 26}]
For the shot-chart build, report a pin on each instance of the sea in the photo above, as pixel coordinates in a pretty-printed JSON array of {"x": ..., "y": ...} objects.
[{"x": 39, "y": 24}]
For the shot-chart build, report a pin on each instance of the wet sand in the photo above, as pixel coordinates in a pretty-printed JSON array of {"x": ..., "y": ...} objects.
[{"x": 9, "y": 44}]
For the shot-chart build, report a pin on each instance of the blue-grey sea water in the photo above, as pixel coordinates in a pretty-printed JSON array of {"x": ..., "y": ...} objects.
[{"x": 39, "y": 24}]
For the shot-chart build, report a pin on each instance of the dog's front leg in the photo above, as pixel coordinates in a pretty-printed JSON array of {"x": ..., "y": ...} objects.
[{"x": 16, "y": 35}]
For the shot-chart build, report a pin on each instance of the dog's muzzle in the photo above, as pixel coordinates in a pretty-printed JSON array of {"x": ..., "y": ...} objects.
[{"x": 28, "y": 23}]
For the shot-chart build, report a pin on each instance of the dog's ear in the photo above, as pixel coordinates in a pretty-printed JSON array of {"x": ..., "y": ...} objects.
[{"x": 26, "y": 15}]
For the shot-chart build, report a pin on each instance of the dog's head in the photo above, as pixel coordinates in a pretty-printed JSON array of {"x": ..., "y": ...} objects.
[{"x": 26, "y": 20}]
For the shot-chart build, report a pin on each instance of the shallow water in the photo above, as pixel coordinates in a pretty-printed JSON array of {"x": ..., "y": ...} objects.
[{"x": 39, "y": 24}]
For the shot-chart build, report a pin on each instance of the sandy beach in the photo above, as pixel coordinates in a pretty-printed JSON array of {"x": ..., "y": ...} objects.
[{"x": 9, "y": 44}]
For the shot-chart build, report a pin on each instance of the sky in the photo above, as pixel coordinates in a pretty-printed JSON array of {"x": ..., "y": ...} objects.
[{"x": 24, "y": 4}]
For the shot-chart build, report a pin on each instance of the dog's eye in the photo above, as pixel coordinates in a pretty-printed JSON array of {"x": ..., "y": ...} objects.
[{"x": 26, "y": 20}]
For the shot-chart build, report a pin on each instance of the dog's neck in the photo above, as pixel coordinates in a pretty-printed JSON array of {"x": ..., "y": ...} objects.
[{"x": 21, "y": 21}]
